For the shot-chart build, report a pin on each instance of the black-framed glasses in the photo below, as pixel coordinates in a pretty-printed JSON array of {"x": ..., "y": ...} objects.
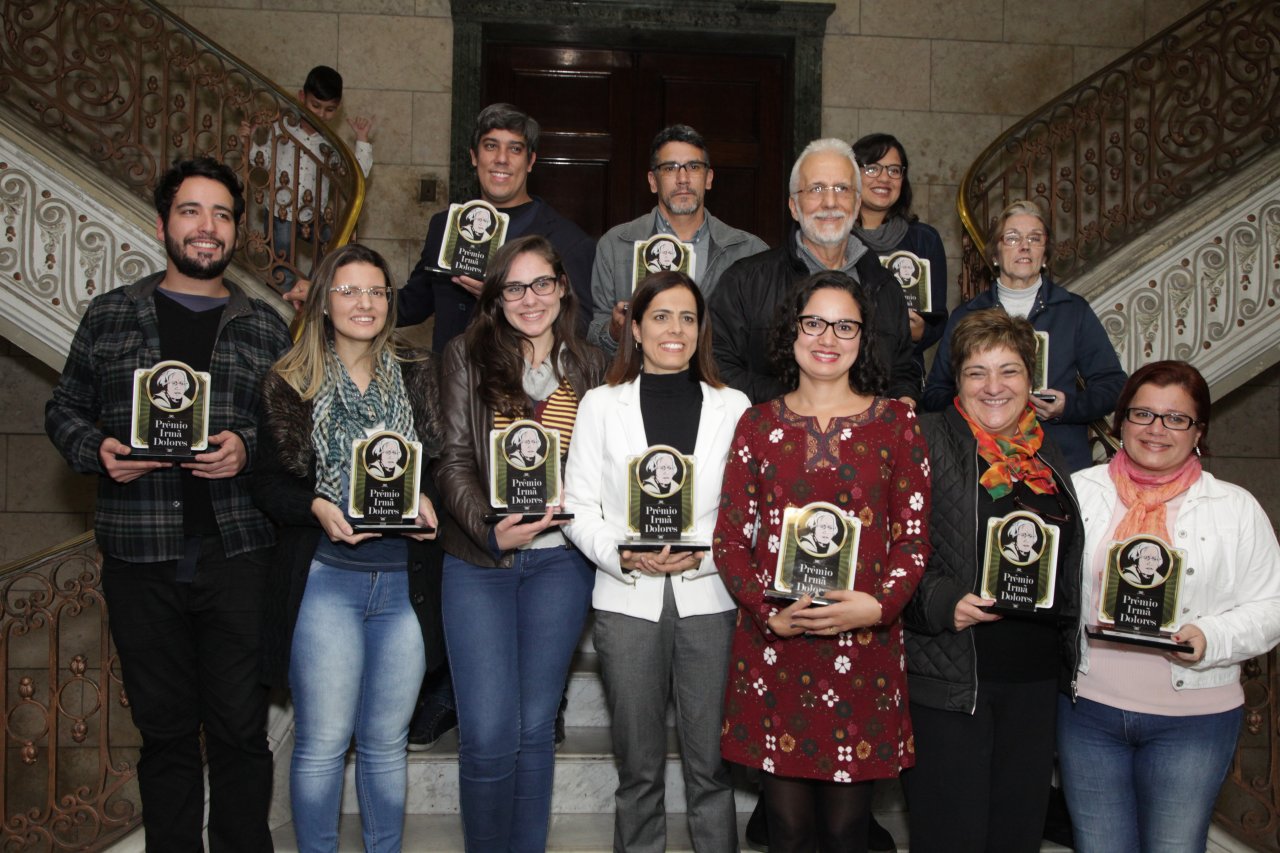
[
  {"x": 814, "y": 326},
  {"x": 350, "y": 291},
  {"x": 513, "y": 291},
  {"x": 893, "y": 170},
  {"x": 1176, "y": 421},
  {"x": 693, "y": 167},
  {"x": 1064, "y": 512}
]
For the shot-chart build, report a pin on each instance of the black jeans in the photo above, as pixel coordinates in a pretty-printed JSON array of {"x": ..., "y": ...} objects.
[{"x": 189, "y": 657}]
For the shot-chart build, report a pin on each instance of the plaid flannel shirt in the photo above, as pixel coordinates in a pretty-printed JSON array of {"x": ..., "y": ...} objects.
[{"x": 141, "y": 521}]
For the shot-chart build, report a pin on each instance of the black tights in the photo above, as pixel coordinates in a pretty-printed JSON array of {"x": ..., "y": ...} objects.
[{"x": 807, "y": 815}]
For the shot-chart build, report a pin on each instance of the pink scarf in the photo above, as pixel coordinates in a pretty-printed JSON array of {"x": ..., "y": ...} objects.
[{"x": 1145, "y": 495}]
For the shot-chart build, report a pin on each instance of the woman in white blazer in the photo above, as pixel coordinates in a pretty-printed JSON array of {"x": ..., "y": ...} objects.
[{"x": 664, "y": 620}]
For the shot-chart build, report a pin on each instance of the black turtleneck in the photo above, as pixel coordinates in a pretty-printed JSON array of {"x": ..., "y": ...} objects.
[{"x": 671, "y": 404}]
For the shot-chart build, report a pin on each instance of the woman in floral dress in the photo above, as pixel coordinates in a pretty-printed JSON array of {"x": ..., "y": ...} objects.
[{"x": 817, "y": 694}]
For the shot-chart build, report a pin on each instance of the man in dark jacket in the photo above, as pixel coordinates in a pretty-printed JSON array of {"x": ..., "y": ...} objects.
[
  {"x": 504, "y": 147},
  {"x": 825, "y": 193}
]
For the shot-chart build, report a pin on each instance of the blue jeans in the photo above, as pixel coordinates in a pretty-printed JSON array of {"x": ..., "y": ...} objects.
[
  {"x": 511, "y": 634},
  {"x": 1142, "y": 782},
  {"x": 356, "y": 664}
]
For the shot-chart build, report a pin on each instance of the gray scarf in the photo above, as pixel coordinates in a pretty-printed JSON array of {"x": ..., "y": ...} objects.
[{"x": 887, "y": 237}]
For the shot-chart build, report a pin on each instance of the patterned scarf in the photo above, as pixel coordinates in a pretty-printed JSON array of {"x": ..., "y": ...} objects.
[
  {"x": 340, "y": 414},
  {"x": 1013, "y": 457},
  {"x": 1145, "y": 495}
]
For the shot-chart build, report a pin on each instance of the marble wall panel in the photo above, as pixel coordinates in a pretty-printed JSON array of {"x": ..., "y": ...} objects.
[
  {"x": 941, "y": 145},
  {"x": 393, "y": 113},
  {"x": 980, "y": 77},
  {"x": 1078, "y": 22},
  {"x": 880, "y": 73},
  {"x": 937, "y": 19},
  {"x": 38, "y": 480},
  {"x": 394, "y": 52},
  {"x": 391, "y": 209},
  {"x": 431, "y": 127},
  {"x": 260, "y": 39}
]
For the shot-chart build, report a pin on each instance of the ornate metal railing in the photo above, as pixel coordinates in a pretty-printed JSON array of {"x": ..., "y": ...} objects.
[
  {"x": 130, "y": 87},
  {"x": 1128, "y": 146},
  {"x": 70, "y": 748}
]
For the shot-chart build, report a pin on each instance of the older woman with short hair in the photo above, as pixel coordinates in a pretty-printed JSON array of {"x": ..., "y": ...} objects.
[
  {"x": 983, "y": 684},
  {"x": 1145, "y": 747},
  {"x": 1019, "y": 247}
]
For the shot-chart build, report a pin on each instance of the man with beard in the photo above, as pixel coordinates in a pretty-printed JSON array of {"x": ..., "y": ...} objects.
[
  {"x": 680, "y": 174},
  {"x": 826, "y": 191},
  {"x": 185, "y": 552}
]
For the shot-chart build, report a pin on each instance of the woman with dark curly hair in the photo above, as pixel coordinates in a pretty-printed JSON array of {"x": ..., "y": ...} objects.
[
  {"x": 515, "y": 595},
  {"x": 817, "y": 692}
]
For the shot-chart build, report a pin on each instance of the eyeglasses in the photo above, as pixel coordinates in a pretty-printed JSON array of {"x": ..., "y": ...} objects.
[
  {"x": 814, "y": 326},
  {"x": 1013, "y": 239},
  {"x": 1175, "y": 421},
  {"x": 819, "y": 190},
  {"x": 893, "y": 170},
  {"x": 513, "y": 291},
  {"x": 348, "y": 291},
  {"x": 693, "y": 167},
  {"x": 1063, "y": 516}
]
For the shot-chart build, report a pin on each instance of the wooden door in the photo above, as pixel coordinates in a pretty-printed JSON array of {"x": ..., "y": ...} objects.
[{"x": 600, "y": 106}]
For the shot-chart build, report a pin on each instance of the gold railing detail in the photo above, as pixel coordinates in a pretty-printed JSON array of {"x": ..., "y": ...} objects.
[
  {"x": 130, "y": 87},
  {"x": 70, "y": 748},
  {"x": 1126, "y": 147}
]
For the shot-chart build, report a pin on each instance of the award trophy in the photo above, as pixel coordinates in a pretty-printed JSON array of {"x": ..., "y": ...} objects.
[
  {"x": 1020, "y": 563},
  {"x": 819, "y": 552},
  {"x": 524, "y": 471},
  {"x": 1141, "y": 590},
  {"x": 662, "y": 253},
  {"x": 1040, "y": 381},
  {"x": 913, "y": 275},
  {"x": 475, "y": 231},
  {"x": 170, "y": 420},
  {"x": 386, "y": 470},
  {"x": 660, "y": 502}
]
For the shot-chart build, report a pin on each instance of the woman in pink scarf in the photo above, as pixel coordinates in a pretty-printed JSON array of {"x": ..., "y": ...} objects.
[{"x": 1147, "y": 742}]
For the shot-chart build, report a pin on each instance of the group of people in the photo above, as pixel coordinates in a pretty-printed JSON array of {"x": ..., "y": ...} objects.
[{"x": 792, "y": 376}]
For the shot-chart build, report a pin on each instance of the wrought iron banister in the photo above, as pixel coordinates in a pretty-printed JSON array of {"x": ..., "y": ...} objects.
[
  {"x": 1129, "y": 145},
  {"x": 70, "y": 750},
  {"x": 130, "y": 87}
]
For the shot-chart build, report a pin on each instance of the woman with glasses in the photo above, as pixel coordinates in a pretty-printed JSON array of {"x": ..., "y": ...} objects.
[
  {"x": 907, "y": 246},
  {"x": 816, "y": 696},
  {"x": 516, "y": 594},
  {"x": 1019, "y": 247},
  {"x": 353, "y": 619},
  {"x": 985, "y": 679},
  {"x": 1147, "y": 743},
  {"x": 663, "y": 620}
]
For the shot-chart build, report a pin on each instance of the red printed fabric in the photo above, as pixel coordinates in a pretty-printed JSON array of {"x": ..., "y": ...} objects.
[{"x": 830, "y": 708}]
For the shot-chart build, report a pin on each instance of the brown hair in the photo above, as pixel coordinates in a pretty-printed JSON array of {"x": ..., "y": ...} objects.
[
  {"x": 629, "y": 360},
  {"x": 1163, "y": 374},
  {"x": 1021, "y": 207},
  {"x": 980, "y": 331},
  {"x": 497, "y": 349}
]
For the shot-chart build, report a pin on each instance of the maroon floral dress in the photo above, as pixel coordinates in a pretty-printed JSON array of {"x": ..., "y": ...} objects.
[{"x": 830, "y": 708}]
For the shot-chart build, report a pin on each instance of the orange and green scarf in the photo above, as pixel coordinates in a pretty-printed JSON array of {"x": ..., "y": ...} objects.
[{"x": 1012, "y": 457}]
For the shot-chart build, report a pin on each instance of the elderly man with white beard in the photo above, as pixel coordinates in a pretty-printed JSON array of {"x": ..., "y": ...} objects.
[{"x": 825, "y": 193}]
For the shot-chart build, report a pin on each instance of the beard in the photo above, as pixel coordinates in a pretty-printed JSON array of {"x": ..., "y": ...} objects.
[
  {"x": 197, "y": 268},
  {"x": 811, "y": 226},
  {"x": 682, "y": 205}
]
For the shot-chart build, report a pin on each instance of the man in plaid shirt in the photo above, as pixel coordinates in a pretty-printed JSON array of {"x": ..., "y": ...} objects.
[{"x": 185, "y": 553}]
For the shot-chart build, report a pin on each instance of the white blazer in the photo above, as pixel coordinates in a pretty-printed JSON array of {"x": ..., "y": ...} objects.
[{"x": 610, "y": 428}]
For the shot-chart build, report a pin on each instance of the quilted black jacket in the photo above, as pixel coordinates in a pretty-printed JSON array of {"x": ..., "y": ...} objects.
[{"x": 941, "y": 662}]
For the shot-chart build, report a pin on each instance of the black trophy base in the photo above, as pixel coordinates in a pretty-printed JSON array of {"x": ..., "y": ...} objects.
[
  {"x": 677, "y": 546},
  {"x": 143, "y": 455},
  {"x": 1164, "y": 642},
  {"x": 525, "y": 517},
  {"x": 818, "y": 600},
  {"x": 389, "y": 527}
]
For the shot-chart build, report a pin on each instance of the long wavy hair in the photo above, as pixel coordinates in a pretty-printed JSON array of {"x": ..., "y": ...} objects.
[
  {"x": 304, "y": 364},
  {"x": 628, "y": 363},
  {"x": 867, "y": 375},
  {"x": 496, "y": 348}
]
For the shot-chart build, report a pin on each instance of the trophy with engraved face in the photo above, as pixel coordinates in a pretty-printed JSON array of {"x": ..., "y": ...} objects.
[
  {"x": 1020, "y": 563},
  {"x": 660, "y": 502},
  {"x": 524, "y": 471},
  {"x": 662, "y": 253},
  {"x": 818, "y": 552},
  {"x": 170, "y": 418},
  {"x": 1141, "y": 594},
  {"x": 386, "y": 473},
  {"x": 475, "y": 231}
]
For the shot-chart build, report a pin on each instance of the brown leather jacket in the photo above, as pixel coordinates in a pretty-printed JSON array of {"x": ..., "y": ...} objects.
[{"x": 462, "y": 471}]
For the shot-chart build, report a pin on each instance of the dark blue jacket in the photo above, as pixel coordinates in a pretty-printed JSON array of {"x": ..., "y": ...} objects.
[
  {"x": 924, "y": 242},
  {"x": 430, "y": 292},
  {"x": 1078, "y": 345}
]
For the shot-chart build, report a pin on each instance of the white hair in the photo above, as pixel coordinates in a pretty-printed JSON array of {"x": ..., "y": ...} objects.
[
  {"x": 813, "y": 520},
  {"x": 1019, "y": 524},
  {"x": 820, "y": 146},
  {"x": 652, "y": 464},
  {"x": 518, "y": 438},
  {"x": 382, "y": 443},
  {"x": 163, "y": 378}
]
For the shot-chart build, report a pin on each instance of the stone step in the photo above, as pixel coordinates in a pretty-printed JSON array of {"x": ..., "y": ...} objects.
[{"x": 580, "y": 833}]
